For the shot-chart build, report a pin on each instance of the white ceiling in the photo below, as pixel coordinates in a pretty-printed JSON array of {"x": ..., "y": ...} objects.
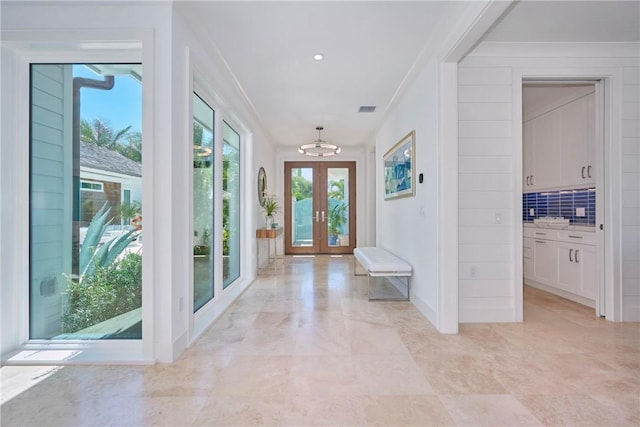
[{"x": 369, "y": 50}]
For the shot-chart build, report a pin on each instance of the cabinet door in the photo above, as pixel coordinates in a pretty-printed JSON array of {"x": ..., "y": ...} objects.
[
  {"x": 544, "y": 261},
  {"x": 575, "y": 158},
  {"x": 546, "y": 151},
  {"x": 527, "y": 258},
  {"x": 528, "y": 139},
  {"x": 586, "y": 262},
  {"x": 591, "y": 139},
  {"x": 568, "y": 270}
]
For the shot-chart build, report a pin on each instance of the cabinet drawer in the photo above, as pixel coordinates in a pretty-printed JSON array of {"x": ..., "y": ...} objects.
[
  {"x": 579, "y": 237},
  {"x": 541, "y": 233}
]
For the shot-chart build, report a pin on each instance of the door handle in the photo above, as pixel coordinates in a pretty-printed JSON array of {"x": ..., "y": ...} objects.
[
  {"x": 577, "y": 260},
  {"x": 570, "y": 253},
  {"x": 582, "y": 173},
  {"x": 322, "y": 216},
  {"x": 589, "y": 171},
  {"x": 317, "y": 216}
]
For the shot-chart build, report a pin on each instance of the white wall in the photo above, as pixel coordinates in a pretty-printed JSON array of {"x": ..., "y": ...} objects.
[
  {"x": 490, "y": 162},
  {"x": 408, "y": 226}
]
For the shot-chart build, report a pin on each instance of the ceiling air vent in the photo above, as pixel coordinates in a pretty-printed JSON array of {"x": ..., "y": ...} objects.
[{"x": 367, "y": 109}]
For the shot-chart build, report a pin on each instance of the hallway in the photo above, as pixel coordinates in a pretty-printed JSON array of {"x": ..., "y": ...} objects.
[{"x": 303, "y": 346}]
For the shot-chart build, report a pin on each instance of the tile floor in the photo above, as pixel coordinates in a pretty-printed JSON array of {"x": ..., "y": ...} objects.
[{"x": 305, "y": 347}]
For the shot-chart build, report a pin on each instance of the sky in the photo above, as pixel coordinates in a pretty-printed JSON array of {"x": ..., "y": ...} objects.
[{"x": 120, "y": 106}]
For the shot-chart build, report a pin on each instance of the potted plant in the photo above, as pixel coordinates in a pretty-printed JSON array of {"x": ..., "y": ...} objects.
[
  {"x": 337, "y": 219},
  {"x": 271, "y": 207}
]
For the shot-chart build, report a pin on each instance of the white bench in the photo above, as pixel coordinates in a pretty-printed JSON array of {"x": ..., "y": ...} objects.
[{"x": 381, "y": 263}]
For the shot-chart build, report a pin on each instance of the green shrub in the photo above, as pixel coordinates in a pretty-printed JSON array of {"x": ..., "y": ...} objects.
[{"x": 109, "y": 292}]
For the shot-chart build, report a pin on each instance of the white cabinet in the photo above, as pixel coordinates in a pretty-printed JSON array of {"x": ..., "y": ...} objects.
[
  {"x": 528, "y": 169},
  {"x": 563, "y": 260},
  {"x": 578, "y": 142},
  {"x": 546, "y": 150},
  {"x": 544, "y": 261},
  {"x": 559, "y": 147},
  {"x": 577, "y": 269},
  {"x": 588, "y": 262},
  {"x": 527, "y": 257}
]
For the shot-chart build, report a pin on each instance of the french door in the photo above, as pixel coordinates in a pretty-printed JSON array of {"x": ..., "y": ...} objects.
[{"x": 320, "y": 207}]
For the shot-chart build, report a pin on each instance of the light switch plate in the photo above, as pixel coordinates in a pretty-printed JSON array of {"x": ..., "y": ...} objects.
[
  {"x": 532, "y": 212},
  {"x": 580, "y": 212}
]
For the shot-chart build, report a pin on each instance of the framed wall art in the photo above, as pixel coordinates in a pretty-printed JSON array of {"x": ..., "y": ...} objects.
[{"x": 399, "y": 173}]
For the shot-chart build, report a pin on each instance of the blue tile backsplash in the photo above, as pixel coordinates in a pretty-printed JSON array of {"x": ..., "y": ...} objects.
[{"x": 562, "y": 203}]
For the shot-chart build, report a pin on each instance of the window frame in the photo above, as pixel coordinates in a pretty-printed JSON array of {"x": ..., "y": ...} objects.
[{"x": 137, "y": 48}]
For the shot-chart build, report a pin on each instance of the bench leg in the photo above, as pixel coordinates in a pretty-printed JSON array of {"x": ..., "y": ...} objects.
[
  {"x": 355, "y": 268},
  {"x": 403, "y": 298}
]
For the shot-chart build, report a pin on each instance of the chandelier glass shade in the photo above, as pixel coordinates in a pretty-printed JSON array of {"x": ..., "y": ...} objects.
[{"x": 319, "y": 147}]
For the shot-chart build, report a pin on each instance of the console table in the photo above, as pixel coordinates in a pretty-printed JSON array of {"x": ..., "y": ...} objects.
[{"x": 271, "y": 234}]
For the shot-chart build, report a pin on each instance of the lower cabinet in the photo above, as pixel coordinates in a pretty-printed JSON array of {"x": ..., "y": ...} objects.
[
  {"x": 556, "y": 261},
  {"x": 544, "y": 261}
]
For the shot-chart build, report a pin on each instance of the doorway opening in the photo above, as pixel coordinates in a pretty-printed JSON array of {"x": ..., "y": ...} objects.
[
  {"x": 320, "y": 206},
  {"x": 562, "y": 189}
]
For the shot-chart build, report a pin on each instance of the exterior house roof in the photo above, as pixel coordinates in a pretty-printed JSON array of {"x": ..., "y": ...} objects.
[{"x": 97, "y": 157}]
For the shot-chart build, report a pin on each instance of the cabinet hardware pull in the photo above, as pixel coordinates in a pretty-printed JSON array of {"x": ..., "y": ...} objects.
[
  {"x": 322, "y": 216},
  {"x": 577, "y": 260},
  {"x": 575, "y": 237},
  {"x": 317, "y": 216},
  {"x": 541, "y": 234},
  {"x": 531, "y": 179},
  {"x": 541, "y": 241},
  {"x": 589, "y": 171},
  {"x": 583, "y": 172},
  {"x": 570, "y": 253},
  {"x": 527, "y": 179}
]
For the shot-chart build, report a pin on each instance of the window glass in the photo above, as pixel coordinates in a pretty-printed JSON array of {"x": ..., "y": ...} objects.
[
  {"x": 230, "y": 205},
  {"x": 85, "y": 239},
  {"x": 203, "y": 125}
]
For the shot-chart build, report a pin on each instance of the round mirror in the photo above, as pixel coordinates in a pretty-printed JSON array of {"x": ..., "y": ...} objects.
[{"x": 262, "y": 185}]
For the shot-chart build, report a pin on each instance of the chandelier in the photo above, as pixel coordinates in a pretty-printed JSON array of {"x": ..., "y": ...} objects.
[{"x": 319, "y": 147}]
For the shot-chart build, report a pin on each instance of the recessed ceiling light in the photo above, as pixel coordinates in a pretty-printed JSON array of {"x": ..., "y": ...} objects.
[{"x": 318, "y": 57}]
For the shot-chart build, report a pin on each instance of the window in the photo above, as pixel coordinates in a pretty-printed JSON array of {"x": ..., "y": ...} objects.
[
  {"x": 203, "y": 205},
  {"x": 91, "y": 186},
  {"x": 85, "y": 142},
  {"x": 230, "y": 205}
]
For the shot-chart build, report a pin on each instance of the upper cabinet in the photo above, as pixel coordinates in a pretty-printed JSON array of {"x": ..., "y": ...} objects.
[{"x": 559, "y": 146}]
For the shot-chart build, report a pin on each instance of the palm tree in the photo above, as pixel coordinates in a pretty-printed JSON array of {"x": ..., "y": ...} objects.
[
  {"x": 336, "y": 190},
  {"x": 124, "y": 141},
  {"x": 99, "y": 132}
]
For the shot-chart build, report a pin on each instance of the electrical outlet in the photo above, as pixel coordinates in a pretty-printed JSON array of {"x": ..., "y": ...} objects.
[
  {"x": 532, "y": 212},
  {"x": 580, "y": 212},
  {"x": 473, "y": 270}
]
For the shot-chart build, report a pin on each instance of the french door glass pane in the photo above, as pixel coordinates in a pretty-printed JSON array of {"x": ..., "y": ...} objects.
[
  {"x": 230, "y": 205},
  {"x": 85, "y": 229},
  {"x": 203, "y": 121},
  {"x": 302, "y": 215},
  {"x": 338, "y": 206}
]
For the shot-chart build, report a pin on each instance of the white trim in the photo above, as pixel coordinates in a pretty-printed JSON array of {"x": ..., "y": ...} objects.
[
  {"x": 448, "y": 280},
  {"x": 564, "y": 50},
  {"x": 612, "y": 226}
]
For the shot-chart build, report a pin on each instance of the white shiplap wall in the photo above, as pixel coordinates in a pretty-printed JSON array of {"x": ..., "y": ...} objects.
[
  {"x": 490, "y": 161},
  {"x": 631, "y": 193},
  {"x": 485, "y": 167},
  {"x": 50, "y": 177}
]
